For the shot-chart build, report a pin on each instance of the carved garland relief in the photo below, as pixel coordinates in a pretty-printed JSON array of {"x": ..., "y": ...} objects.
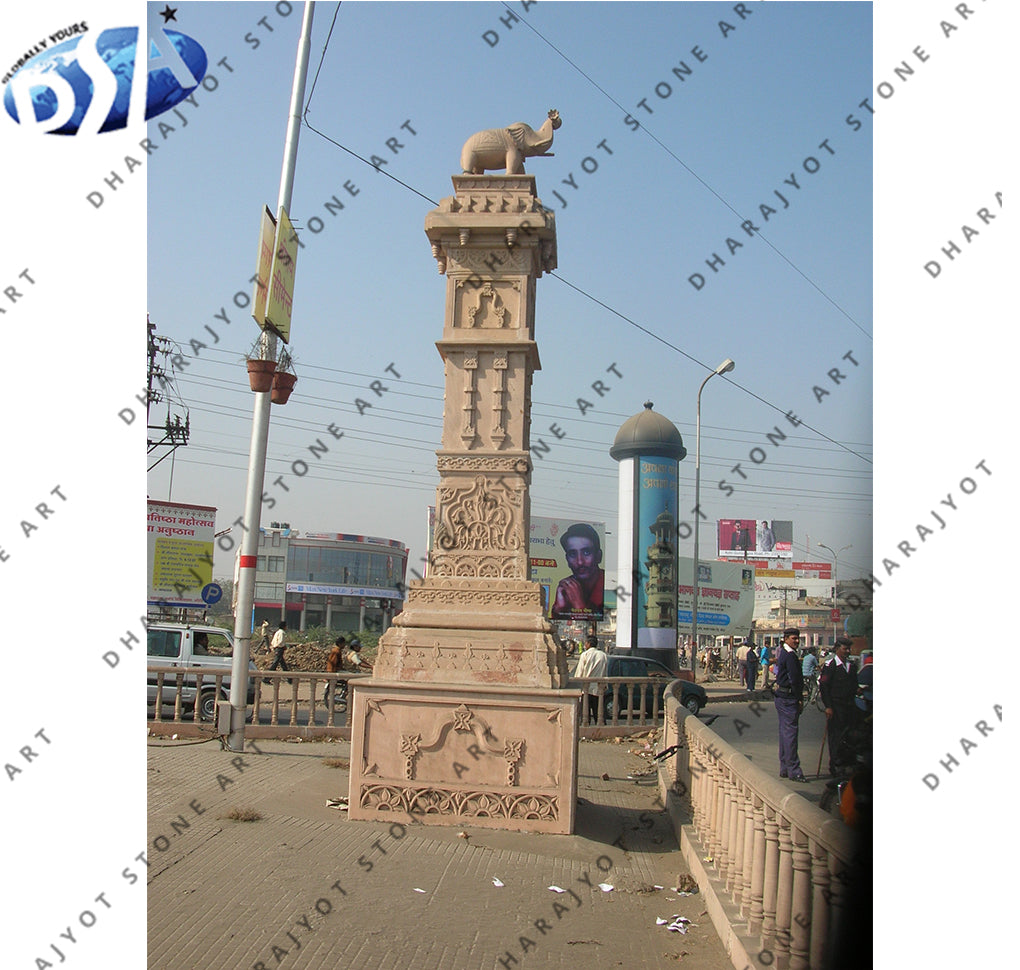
[{"x": 484, "y": 516}]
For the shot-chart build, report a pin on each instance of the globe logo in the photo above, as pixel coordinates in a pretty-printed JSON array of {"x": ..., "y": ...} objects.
[{"x": 89, "y": 83}]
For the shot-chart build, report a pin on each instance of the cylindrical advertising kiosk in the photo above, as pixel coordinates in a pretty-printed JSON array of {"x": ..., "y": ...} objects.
[{"x": 649, "y": 449}]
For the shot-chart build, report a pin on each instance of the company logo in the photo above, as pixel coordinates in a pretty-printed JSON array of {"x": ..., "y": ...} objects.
[{"x": 92, "y": 82}]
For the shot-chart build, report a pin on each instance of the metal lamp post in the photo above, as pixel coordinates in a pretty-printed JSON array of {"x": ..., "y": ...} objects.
[
  {"x": 248, "y": 557},
  {"x": 835, "y": 577},
  {"x": 724, "y": 368}
]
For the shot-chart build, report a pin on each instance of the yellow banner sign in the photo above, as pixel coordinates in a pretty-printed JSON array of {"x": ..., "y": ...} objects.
[
  {"x": 267, "y": 236},
  {"x": 281, "y": 277}
]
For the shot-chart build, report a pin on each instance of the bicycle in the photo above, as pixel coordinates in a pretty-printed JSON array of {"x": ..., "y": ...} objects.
[{"x": 812, "y": 693}]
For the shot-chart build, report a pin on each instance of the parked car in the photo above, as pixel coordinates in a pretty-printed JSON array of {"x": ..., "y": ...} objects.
[
  {"x": 187, "y": 646},
  {"x": 692, "y": 696}
]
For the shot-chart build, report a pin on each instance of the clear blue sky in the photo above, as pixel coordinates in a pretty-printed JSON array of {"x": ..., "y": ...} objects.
[{"x": 649, "y": 208}]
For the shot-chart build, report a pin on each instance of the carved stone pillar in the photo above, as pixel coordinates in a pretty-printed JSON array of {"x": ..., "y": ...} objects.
[{"x": 465, "y": 719}]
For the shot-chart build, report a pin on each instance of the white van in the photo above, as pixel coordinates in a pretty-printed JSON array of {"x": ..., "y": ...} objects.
[{"x": 186, "y": 646}]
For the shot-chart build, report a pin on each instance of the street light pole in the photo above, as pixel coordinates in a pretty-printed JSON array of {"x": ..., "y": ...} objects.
[
  {"x": 724, "y": 368},
  {"x": 835, "y": 577},
  {"x": 248, "y": 556}
]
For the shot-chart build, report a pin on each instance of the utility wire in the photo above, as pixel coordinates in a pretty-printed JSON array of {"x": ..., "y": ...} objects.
[
  {"x": 573, "y": 286},
  {"x": 697, "y": 177}
]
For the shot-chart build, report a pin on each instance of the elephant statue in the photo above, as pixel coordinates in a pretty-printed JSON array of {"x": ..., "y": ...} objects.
[{"x": 508, "y": 147}]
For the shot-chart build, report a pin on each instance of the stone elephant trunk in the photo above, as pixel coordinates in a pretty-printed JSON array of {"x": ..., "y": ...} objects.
[{"x": 507, "y": 147}]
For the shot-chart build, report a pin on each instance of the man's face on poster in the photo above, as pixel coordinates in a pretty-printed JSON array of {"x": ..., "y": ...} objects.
[{"x": 583, "y": 558}]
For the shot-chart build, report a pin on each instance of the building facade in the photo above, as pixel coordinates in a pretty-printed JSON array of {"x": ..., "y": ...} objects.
[{"x": 333, "y": 580}]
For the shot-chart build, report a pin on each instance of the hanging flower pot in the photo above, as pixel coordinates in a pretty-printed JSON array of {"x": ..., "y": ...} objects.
[
  {"x": 283, "y": 384},
  {"x": 260, "y": 374}
]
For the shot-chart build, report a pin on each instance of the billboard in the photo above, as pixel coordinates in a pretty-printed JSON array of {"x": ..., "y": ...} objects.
[
  {"x": 565, "y": 559},
  {"x": 745, "y": 538},
  {"x": 180, "y": 554},
  {"x": 725, "y": 598}
]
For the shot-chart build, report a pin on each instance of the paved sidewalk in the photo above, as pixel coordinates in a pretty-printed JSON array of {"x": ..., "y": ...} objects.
[{"x": 305, "y": 888}]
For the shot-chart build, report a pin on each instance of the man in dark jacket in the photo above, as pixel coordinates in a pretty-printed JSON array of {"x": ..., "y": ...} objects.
[
  {"x": 838, "y": 687},
  {"x": 788, "y": 690}
]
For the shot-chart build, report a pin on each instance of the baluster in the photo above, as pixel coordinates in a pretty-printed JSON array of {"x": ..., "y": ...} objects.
[
  {"x": 256, "y": 698},
  {"x": 295, "y": 685},
  {"x": 735, "y": 878},
  {"x": 331, "y": 701},
  {"x": 800, "y": 929},
  {"x": 771, "y": 881},
  {"x": 723, "y": 859},
  {"x": 159, "y": 697},
  {"x": 718, "y": 808},
  {"x": 195, "y": 716},
  {"x": 179, "y": 699},
  {"x": 756, "y": 912},
  {"x": 699, "y": 773},
  {"x": 784, "y": 896},
  {"x": 747, "y": 860},
  {"x": 819, "y": 903},
  {"x": 274, "y": 716},
  {"x": 837, "y": 905}
]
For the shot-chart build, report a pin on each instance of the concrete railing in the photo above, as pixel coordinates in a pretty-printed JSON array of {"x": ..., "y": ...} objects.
[
  {"x": 280, "y": 703},
  {"x": 779, "y": 866}
]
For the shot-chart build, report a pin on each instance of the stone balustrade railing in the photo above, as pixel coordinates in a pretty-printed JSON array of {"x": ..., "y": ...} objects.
[
  {"x": 783, "y": 863},
  {"x": 280, "y": 703},
  {"x": 618, "y": 705},
  {"x": 291, "y": 703}
]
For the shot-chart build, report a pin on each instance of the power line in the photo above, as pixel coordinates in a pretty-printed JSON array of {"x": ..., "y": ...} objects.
[
  {"x": 579, "y": 289},
  {"x": 698, "y": 178}
]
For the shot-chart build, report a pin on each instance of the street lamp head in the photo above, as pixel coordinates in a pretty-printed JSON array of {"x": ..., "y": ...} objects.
[{"x": 726, "y": 366}]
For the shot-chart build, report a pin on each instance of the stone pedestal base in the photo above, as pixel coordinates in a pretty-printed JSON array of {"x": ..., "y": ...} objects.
[{"x": 497, "y": 757}]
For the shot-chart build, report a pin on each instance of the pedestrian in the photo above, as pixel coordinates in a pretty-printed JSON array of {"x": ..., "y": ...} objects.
[
  {"x": 809, "y": 671},
  {"x": 742, "y": 663},
  {"x": 279, "y": 646},
  {"x": 593, "y": 663},
  {"x": 838, "y": 686},
  {"x": 334, "y": 664},
  {"x": 788, "y": 691},
  {"x": 264, "y": 645},
  {"x": 751, "y": 659},
  {"x": 765, "y": 660}
]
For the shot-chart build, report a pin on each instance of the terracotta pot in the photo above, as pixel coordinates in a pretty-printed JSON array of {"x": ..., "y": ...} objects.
[
  {"x": 283, "y": 384},
  {"x": 260, "y": 374}
]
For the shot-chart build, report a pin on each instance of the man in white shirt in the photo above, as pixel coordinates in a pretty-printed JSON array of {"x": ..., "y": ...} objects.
[
  {"x": 593, "y": 663},
  {"x": 279, "y": 646}
]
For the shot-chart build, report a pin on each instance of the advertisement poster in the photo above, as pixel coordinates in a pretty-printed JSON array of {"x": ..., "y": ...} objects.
[
  {"x": 725, "y": 598},
  {"x": 566, "y": 560},
  {"x": 740, "y": 538},
  {"x": 180, "y": 553},
  {"x": 656, "y": 552}
]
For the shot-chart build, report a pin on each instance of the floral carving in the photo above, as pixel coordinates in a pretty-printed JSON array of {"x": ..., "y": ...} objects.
[{"x": 464, "y": 804}]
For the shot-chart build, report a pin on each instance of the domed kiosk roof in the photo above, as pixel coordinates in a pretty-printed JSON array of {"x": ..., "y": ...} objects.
[{"x": 650, "y": 434}]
